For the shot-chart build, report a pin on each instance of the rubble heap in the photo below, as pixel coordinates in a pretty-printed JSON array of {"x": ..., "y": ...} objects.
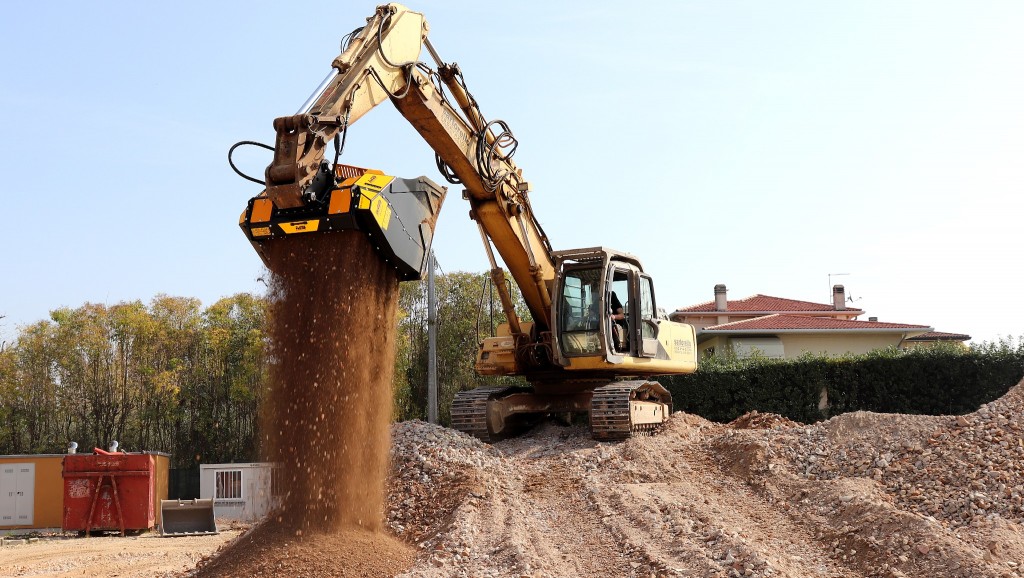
[{"x": 861, "y": 494}]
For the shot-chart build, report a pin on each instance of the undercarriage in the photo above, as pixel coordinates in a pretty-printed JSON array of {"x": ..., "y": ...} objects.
[{"x": 618, "y": 410}]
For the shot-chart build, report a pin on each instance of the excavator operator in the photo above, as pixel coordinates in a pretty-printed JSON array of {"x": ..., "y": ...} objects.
[{"x": 620, "y": 333}]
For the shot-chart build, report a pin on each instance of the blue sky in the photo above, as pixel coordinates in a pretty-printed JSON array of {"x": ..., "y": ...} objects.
[{"x": 759, "y": 145}]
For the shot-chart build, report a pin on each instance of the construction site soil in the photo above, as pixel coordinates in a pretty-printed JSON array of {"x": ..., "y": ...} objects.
[{"x": 861, "y": 494}]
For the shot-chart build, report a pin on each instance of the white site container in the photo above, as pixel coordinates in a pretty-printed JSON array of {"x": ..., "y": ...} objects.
[{"x": 244, "y": 492}]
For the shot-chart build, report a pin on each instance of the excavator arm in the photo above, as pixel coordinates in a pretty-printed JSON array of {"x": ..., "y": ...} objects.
[
  {"x": 362, "y": 76},
  {"x": 379, "y": 62}
]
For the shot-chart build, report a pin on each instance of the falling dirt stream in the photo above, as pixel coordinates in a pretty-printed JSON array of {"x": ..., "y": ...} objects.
[{"x": 326, "y": 419}]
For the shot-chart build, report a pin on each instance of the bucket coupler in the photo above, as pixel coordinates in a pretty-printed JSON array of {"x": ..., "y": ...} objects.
[{"x": 397, "y": 214}]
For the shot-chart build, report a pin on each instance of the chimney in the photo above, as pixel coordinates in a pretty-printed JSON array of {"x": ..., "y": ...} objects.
[
  {"x": 873, "y": 319},
  {"x": 721, "y": 303},
  {"x": 839, "y": 297}
]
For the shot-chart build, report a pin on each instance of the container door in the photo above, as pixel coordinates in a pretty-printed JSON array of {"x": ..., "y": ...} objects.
[
  {"x": 8, "y": 498},
  {"x": 250, "y": 504},
  {"x": 25, "y": 491}
]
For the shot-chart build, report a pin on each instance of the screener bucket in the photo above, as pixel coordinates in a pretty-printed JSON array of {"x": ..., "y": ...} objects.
[
  {"x": 398, "y": 215},
  {"x": 187, "y": 517}
]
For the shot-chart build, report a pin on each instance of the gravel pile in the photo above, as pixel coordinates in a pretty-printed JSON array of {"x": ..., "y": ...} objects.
[
  {"x": 758, "y": 420},
  {"x": 434, "y": 470},
  {"x": 859, "y": 495},
  {"x": 960, "y": 470}
]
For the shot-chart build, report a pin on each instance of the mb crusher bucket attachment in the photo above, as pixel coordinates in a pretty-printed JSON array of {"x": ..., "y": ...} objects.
[
  {"x": 187, "y": 518},
  {"x": 398, "y": 215}
]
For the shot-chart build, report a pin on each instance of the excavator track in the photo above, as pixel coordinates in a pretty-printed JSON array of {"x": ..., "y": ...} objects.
[
  {"x": 618, "y": 411},
  {"x": 469, "y": 411},
  {"x": 612, "y": 412}
]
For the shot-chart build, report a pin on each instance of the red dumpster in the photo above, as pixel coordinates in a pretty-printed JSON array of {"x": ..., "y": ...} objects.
[{"x": 108, "y": 491}]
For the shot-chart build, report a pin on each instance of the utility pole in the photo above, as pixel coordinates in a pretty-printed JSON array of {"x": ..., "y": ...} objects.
[{"x": 431, "y": 343}]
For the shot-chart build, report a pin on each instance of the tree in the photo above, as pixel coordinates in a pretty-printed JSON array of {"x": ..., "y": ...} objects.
[
  {"x": 177, "y": 341},
  {"x": 32, "y": 403},
  {"x": 171, "y": 376},
  {"x": 236, "y": 375},
  {"x": 168, "y": 377},
  {"x": 467, "y": 313}
]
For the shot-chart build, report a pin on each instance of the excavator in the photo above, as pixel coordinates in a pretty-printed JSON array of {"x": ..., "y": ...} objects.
[{"x": 595, "y": 339}]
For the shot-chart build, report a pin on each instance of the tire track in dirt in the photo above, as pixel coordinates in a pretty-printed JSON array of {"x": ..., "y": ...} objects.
[
  {"x": 537, "y": 517},
  {"x": 564, "y": 505},
  {"x": 709, "y": 512},
  {"x": 566, "y": 524}
]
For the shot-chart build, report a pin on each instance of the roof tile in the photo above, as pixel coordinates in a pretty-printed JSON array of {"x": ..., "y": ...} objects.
[
  {"x": 781, "y": 322},
  {"x": 940, "y": 336},
  {"x": 765, "y": 304}
]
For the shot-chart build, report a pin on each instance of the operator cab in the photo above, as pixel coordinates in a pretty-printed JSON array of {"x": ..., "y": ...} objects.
[{"x": 606, "y": 306}]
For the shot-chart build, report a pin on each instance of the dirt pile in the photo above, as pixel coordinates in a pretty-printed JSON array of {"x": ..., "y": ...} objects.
[
  {"x": 273, "y": 550},
  {"x": 758, "y": 420},
  {"x": 957, "y": 482},
  {"x": 859, "y": 495}
]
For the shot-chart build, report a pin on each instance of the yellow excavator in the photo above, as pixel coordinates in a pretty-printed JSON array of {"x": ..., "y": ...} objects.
[{"x": 596, "y": 337}]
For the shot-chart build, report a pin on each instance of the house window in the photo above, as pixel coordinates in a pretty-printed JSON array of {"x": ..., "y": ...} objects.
[{"x": 228, "y": 485}]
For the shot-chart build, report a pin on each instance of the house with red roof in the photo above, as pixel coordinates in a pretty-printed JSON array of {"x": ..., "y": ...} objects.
[{"x": 788, "y": 328}]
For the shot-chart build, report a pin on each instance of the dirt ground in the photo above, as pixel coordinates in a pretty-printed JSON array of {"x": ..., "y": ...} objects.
[
  {"x": 145, "y": 556},
  {"x": 859, "y": 495}
]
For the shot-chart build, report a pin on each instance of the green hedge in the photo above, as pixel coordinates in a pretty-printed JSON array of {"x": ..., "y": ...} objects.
[{"x": 935, "y": 381}]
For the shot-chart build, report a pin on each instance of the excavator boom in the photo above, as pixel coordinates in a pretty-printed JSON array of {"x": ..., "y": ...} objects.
[{"x": 381, "y": 62}]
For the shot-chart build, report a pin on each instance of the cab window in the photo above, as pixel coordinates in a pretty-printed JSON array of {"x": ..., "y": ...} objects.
[
  {"x": 619, "y": 310},
  {"x": 580, "y": 312},
  {"x": 647, "y": 330}
]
